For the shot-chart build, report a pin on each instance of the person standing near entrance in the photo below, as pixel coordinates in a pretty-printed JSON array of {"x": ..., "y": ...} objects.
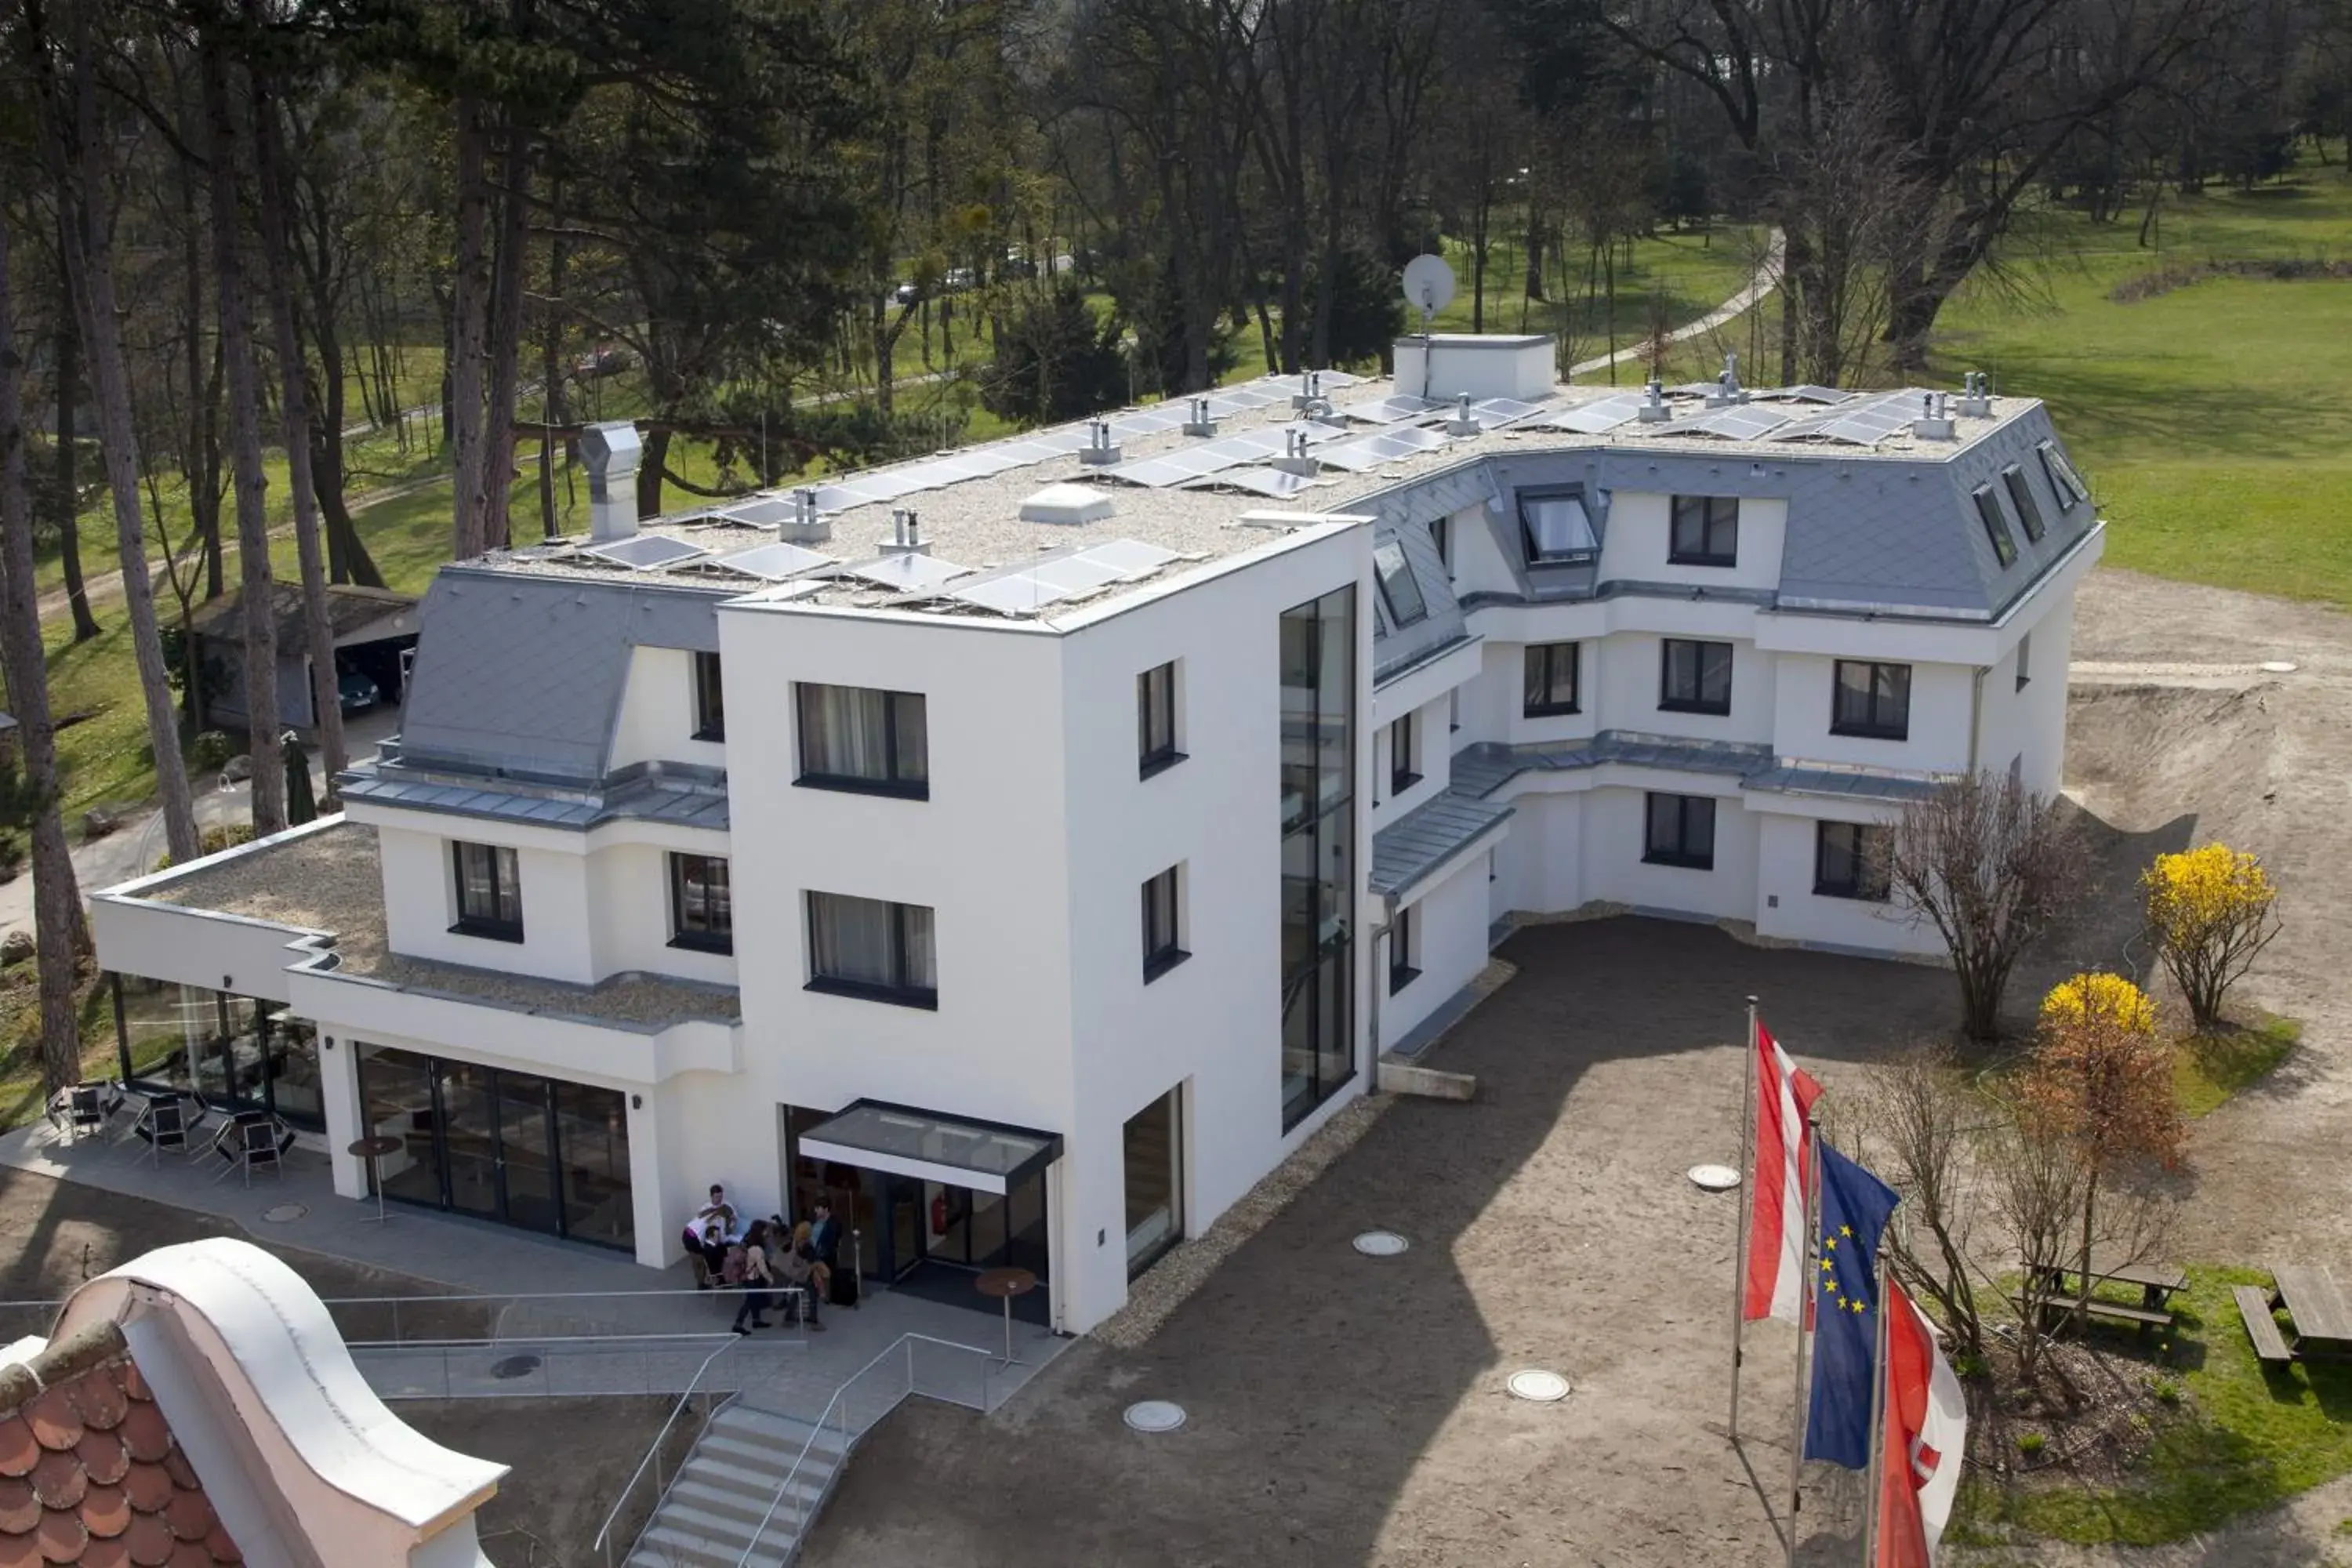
[
  {"x": 698, "y": 1251},
  {"x": 756, "y": 1279},
  {"x": 824, "y": 1243}
]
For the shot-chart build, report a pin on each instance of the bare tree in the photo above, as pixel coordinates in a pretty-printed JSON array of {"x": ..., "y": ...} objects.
[
  {"x": 56, "y": 901},
  {"x": 1990, "y": 865},
  {"x": 1920, "y": 1120},
  {"x": 256, "y": 589},
  {"x": 2036, "y": 1187}
]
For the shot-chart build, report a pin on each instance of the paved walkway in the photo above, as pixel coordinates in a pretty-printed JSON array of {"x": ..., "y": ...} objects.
[
  {"x": 1767, "y": 279},
  {"x": 654, "y": 1329}
]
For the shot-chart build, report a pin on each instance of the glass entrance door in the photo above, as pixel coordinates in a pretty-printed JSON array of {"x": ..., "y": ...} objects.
[
  {"x": 526, "y": 1153},
  {"x": 469, "y": 1140}
]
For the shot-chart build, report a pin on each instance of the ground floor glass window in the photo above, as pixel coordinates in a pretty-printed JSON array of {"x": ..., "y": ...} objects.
[{"x": 238, "y": 1053}]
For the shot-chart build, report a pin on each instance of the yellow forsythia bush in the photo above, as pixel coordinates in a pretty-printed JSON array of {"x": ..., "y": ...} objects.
[
  {"x": 2099, "y": 995},
  {"x": 2210, "y": 911}
]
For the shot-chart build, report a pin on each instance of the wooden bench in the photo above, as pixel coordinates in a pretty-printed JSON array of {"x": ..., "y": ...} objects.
[
  {"x": 2254, "y": 1306},
  {"x": 2114, "y": 1311}
]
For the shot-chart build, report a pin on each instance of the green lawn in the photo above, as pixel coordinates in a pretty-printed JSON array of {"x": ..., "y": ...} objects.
[
  {"x": 2207, "y": 1069},
  {"x": 2204, "y": 416},
  {"x": 2248, "y": 1438}
]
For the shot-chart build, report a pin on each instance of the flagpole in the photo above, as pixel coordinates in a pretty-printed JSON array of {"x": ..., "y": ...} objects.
[
  {"x": 1877, "y": 1424},
  {"x": 1804, "y": 1320},
  {"x": 1747, "y": 1202}
]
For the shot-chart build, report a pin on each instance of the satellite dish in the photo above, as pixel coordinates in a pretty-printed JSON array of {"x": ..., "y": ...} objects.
[{"x": 1428, "y": 286}]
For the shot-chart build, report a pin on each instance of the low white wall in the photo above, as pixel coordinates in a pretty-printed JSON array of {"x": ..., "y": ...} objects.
[
  {"x": 1450, "y": 921},
  {"x": 1785, "y": 862}
]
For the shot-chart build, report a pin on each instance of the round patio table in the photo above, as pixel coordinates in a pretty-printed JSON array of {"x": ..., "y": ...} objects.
[
  {"x": 371, "y": 1149},
  {"x": 1004, "y": 1284}
]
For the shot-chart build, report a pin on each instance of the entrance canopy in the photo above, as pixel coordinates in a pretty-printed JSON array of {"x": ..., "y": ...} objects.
[{"x": 957, "y": 1151}]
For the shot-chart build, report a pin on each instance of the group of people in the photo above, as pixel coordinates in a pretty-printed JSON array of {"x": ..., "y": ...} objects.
[{"x": 764, "y": 1260}]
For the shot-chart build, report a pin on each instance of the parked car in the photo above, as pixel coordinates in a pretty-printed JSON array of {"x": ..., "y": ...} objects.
[
  {"x": 356, "y": 693},
  {"x": 904, "y": 294}
]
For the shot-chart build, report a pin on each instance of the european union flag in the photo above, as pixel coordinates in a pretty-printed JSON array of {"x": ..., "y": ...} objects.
[{"x": 1853, "y": 1209}]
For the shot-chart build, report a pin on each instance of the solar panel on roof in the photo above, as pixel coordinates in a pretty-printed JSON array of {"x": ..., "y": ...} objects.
[
  {"x": 772, "y": 562},
  {"x": 1392, "y": 410},
  {"x": 760, "y": 511},
  {"x": 1874, "y": 421},
  {"x": 646, "y": 551},
  {"x": 1388, "y": 446},
  {"x": 1158, "y": 473},
  {"x": 1499, "y": 410},
  {"x": 841, "y": 497},
  {"x": 1128, "y": 557},
  {"x": 1279, "y": 483},
  {"x": 1148, "y": 421},
  {"x": 1740, "y": 422},
  {"x": 1019, "y": 595},
  {"x": 1075, "y": 574},
  {"x": 1593, "y": 418},
  {"x": 1809, "y": 392},
  {"x": 906, "y": 572}
]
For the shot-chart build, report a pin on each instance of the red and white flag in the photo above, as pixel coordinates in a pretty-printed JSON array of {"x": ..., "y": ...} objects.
[
  {"x": 1925, "y": 1432},
  {"x": 1776, "y": 1241}
]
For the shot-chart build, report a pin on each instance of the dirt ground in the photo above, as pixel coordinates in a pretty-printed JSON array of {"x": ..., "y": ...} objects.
[
  {"x": 571, "y": 1456},
  {"x": 1347, "y": 1411}
]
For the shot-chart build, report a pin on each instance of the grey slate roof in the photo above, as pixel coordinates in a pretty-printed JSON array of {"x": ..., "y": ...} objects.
[
  {"x": 1409, "y": 850},
  {"x": 1481, "y": 770},
  {"x": 1398, "y": 648},
  {"x": 522, "y": 676},
  {"x": 1838, "y": 781}
]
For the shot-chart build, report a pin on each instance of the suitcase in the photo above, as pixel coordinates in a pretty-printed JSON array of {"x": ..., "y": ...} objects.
[{"x": 844, "y": 1291}]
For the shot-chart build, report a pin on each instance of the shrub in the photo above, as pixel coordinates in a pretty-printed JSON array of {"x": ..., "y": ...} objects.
[
  {"x": 2210, "y": 912},
  {"x": 2099, "y": 995},
  {"x": 227, "y": 836},
  {"x": 211, "y": 749},
  {"x": 2167, "y": 1390},
  {"x": 2031, "y": 1443}
]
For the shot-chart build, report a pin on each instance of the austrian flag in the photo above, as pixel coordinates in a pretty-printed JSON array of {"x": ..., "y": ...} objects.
[
  {"x": 1925, "y": 1432},
  {"x": 1776, "y": 1232}
]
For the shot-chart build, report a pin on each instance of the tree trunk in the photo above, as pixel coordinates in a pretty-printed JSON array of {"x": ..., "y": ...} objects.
[
  {"x": 200, "y": 458},
  {"x": 56, "y": 901},
  {"x": 649, "y": 471},
  {"x": 470, "y": 302},
  {"x": 256, "y": 590},
  {"x": 90, "y": 258},
  {"x": 66, "y": 343},
  {"x": 318, "y": 624},
  {"x": 2090, "y": 1206},
  {"x": 505, "y": 338}
]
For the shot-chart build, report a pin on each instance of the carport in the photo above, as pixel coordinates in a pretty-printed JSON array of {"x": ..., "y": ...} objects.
[{"x": 373, "y": 629}]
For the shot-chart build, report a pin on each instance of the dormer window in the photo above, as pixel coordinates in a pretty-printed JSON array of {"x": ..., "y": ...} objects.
[
  {"x": 709, "y": 699},
  {"x": 1399, "y": 590},
  {"x": 2064, "y": 480},
  {"x": 1996, "y": 525},
  {"x": 2027, "y": 505},
  {"x": 1558, "y": 529},
  {"x": 1706, "y": 531}
]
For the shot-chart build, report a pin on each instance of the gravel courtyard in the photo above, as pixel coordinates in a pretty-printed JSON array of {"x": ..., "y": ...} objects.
[{"x": 1350, "y": 1412}]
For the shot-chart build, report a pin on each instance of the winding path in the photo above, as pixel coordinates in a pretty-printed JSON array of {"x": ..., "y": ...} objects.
[{"x": 1766, "y": 279}]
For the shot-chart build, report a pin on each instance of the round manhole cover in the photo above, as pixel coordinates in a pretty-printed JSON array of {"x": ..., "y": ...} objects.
[
  {"x": 1715, "y": 1178},
  {"x": 1155, "y": 1415},
  {"x": 1380, "y": 1244},
  {"x": 515, "y": 1366},
  {"x": 1541, "y": 1387},
  {"x": 285, "y": 1214},
  {"x": 2277, "y": 667}
]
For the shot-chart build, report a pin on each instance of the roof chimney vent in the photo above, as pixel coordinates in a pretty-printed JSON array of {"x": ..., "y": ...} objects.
[
  {"x": 906, "y": 538},
  {"x": 1934, "y": 421},
  {"x": 1463, "y": 422},
  {"x": 1099, "y": 449},
  {"x": 611, "y": 451},
  {"x": 1201, "y": 423},
  {"x": 807, "y": 525},
  {"x": 1310, "y": 390},
  {"x": 1296, "y": 459},
  {"x": 1654, "y": 410},
  {"x": 1727, "y": 385},
  {"x": 1976, "y": 395}
]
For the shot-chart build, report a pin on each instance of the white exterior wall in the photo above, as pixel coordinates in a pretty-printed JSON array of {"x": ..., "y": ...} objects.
[
  {"x": 656, "y": 720},
  {"x": 1641, "y": 538},
  {"x": 1786, "y": 838},
  {"x": 630, "y": 916},
  {"x": 2030, "y": 723},
  {"x": 420, "y": 899},
  {"x": 1450, "y": 923},
  {"x": 1625, "y": 672},
  {"x": 1943, "y": 697},
  {"x": 1212, "y": 1024}
]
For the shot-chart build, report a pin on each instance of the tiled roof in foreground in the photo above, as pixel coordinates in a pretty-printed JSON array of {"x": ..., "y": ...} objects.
[{"x": 89, "y": 1471}]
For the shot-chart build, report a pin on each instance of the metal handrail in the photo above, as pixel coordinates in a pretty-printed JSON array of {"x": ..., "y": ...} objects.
[
  {"x": 653, "y": 1452},
  {"x": 907, "y": 1341}
]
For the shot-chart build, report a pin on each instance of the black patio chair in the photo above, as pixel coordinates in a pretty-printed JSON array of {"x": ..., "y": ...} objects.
[
  {"x": 165, "y": 1124},
  {"x": 257, "y": 1144}
]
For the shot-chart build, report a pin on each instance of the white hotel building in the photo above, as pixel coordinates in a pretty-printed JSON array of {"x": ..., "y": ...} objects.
[{"x": 1036, "y": 883}]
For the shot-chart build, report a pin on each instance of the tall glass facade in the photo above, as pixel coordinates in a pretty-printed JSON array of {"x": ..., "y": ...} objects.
[
  {"x": 1318, "y": 840},
  {"x": 239, "y": 1053}
]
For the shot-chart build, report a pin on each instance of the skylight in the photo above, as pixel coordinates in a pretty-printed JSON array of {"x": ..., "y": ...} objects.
[
  {"x": 2022, "y": 497},
  {"x": 2064, "y": 480},
  {"x": 1558, "y": 529},
  {"x": 1399, "y": 590},
  {"x": 1996, "y": 525}
]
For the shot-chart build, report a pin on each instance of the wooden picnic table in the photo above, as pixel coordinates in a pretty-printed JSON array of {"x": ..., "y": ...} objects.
[
  {"x": 2309, "y": 1294},
  {"x": 2157, "y": 1281}
]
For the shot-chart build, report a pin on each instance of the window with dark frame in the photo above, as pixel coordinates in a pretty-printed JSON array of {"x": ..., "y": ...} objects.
[
  {"x": 1441, "y": 535},
  {"x": 1558, "y": 529},
  {"x": 1155, "y": 719},
  {"x": 1693, "y": 677},
  {"x": 2027, "y": 505},
  {"x": 2024, "y": 660},
  {"x": 1399, "y": 590},
  {"x": 1996, "y": 525},
  {"x": 873, "y": 950},
  {"x": 1163, "y": 947},
  {"x": 1871, "y": 701},
  {"x": 857, "y": 738},
  {"x": 2065, "y": 479},
  {"x": 1680, "y": 831},
  {"x": 1402, "y": 970},
  {"x": 1402, "y": 775},
  {"x": 709, "y": 699},
  {"x": 490, "y": 891},
  {"x": 1706, "y": 531},
  {"x": 1551, "y": 677},
  {"x": 701, "y": 906},
  {"x": 1850, "y": 861}
]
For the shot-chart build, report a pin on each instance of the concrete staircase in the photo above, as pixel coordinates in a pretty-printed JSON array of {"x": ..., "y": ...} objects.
[{"x": 709, "y": 1516}]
